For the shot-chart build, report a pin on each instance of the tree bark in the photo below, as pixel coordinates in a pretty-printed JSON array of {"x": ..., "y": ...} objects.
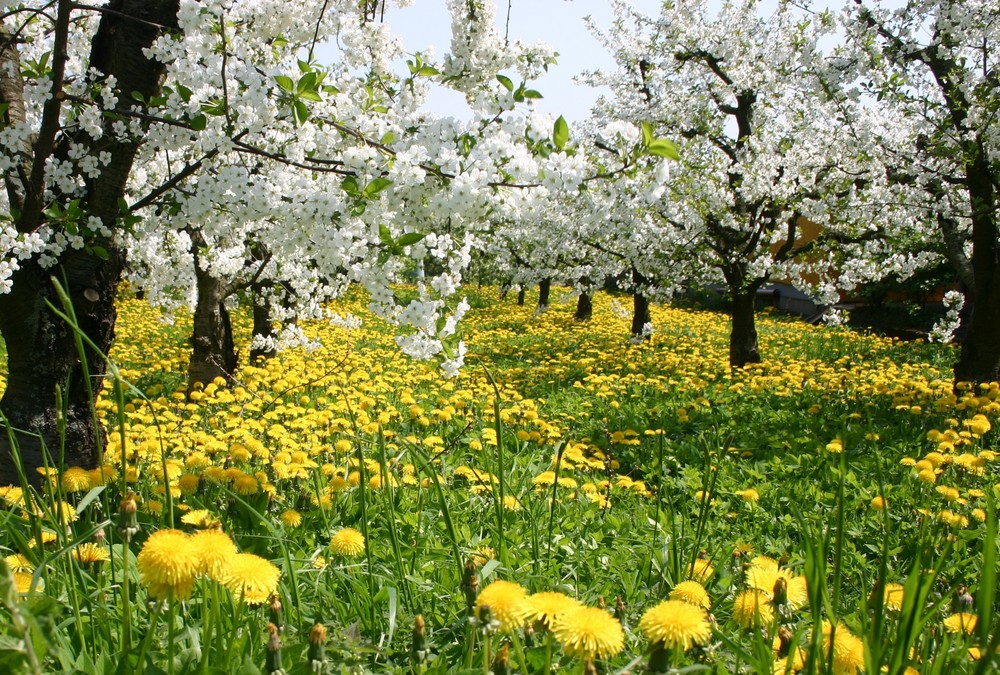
[
  {"x": 743, "y": 336},
  {"x": 544, "y": 289},
  {"x": 584, "y": 307},
  {"x": 640, "y": 307},
  {"x": 979, "y": 360},
  {"x": 520, "y": 298},
  {"x": 213, "y": 350},
  {"x": 263, "y": 326},
  {"x": 42, "y": 356}
]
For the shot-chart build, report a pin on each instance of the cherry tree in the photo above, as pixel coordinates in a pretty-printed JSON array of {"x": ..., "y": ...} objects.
[
  {"x": 761, "y": 149},
  {"x": 206, "y": 137},
  {"x": 930, "y": 67}
]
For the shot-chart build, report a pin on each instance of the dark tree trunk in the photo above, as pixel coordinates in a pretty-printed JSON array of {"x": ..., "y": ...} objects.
[
  {"x": 41, "y": 349},
  {"x": 743, "y": 336},
  {"x": 640, "y": 307},
  {"x": 263, "y": 326},
  {"x": 213, "y": 351},
  {"x": 520, "y": 298},
  {"x": 544, "y": 289},
  {"x": 584, "y": 307},
  {"x": 979, "y": 360}
]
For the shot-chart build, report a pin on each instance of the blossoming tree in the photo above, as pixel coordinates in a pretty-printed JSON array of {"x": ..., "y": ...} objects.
[
  {"x": 206, "y": 138},
  {"x": 761, "y": 150},
  {"x": 931, "y": 67}
]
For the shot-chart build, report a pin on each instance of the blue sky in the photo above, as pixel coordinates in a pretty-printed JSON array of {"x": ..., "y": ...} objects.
[{"x": 558, "y": 22}]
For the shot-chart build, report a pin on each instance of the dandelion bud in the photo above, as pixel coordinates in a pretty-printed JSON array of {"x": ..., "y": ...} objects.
[
  {"x": 317, "y": 648},
  {"x": 780, "y": 591},
  {"x": 502, "y": 661},
  {"x": 600, "y": 602},
  {"x": 100, "y": 537},
  {"x": 620, "y": 609},
  {"x": 963, "y": 599},
  {"x": 272, "y": 662},
  {"x": 127, "y": 522},
  {"x": 784, "y": 640},
  {"x": 470, "y": 586},
  {"x": 277, "y": 616},
  {"x": 418, "y": 642}
]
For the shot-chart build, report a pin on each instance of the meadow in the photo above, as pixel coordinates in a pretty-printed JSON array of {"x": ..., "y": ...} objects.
[{"x": 571, "y": 502}]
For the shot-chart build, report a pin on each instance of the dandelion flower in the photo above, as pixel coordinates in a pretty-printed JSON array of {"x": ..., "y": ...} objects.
[
  {"x": 291, "y": 518},
  {"x": 251, "y": 578},
  {"x": 701, "y": 570},
  {"x": 214, "y": 550},
  {"x": 199, "y": 518},
  {"x": 19, "y": 563},
  {"x": 961, "y": 623},
  {"x": 749, "y": 495},
  {"x": 245, "y": 485},
  {"x": 589, "y": 632},
  {"x": 22, "y": 581},
  {"x": 692, "y": 593},
  {"x": 893, "y": 597},
  {"x": 848, "y": 649},
  {"x": 482, "y": 555},
  {"x": 168, "y": 564},
  {"x": 878, "y": 503},
  {"x": 545, "y": 606},
  {"x": 75, "y": 479},
  {"x": 506, "y": 601},
  {"x": 752, "y": 608},
  {"x": 676, "y": 623},
  {"x": 91, "y": 553},
  {"x": 347, "y": 542}
]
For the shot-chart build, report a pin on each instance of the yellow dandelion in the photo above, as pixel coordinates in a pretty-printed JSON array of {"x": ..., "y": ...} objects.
[
  {"x": 347, "y": 542},
  {"x": 19, "y": 563},
  {"x": 200, "y": 518},
  {"x": 893, "y": 597},
  {"x": 545, "y": 606},
  {"x": 878, "y": 503},
  {"x": 752, "y": 608},
  {"x": 291, "y": 518},
  {"x": 700, "y": 570},
  {"x": 214, "y": 551},
  {"x": 510, "y": 503},
  {"x": 588, "y": 632},
  {"x": 750, "y": 495},
  {"x": 482, "y": 555},
  {"x": 848, "y": 649},
  {"x": 692, "y": 593},
  {"x": 75, "y": 479},
  {"x": 245, "y": 484},
  {"x": 961, "y": 623},
  {"x": 168, "y": 565},
  {"x": 91, "y": 553},
  {"x": 251, "y": 578},
  {"x": 676, "y": 623},
  {"x": 188, "y": 483},
  {"x": 506, "y": 602},
  {"x": 22, "y": 581}
]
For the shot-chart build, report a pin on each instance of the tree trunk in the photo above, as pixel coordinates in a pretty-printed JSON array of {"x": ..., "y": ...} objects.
[
  {"x": 213, "y": 352},
  {"x": 263, "y": 326},
  {"x": 544, "y": 288},
  {"x": 640, "y": 307},
  {"x": 41, "y": 348},
  {"x": 979, "y": 360},
  {"x": 743, "y": 336},
  {"x": 520, "y": 298},
  {"x": 584, "y": 307}
]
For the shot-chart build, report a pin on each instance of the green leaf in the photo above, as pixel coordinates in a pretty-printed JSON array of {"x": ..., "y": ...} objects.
[
  {"x": 199, "y": 122},
  {"x": 560, "y": 133},
  {"x": 350, "y": 185},
  {"x": 532, "y": 93},
  {"x": 387, "y": 139},
  {"x": 98, "y": 252},
  {"x": 647, "y": 134},
  {"x": 306, "y": 83},
  {"x": 410, "y": 238},
  {"x": 506, "y": 82},
  {"x": 376, "y": 186},
  {"x": 384, "y": 235},
  {"x": 300, "y": 111},
  {"x": 310, "y": 95},
  {"x": 427, "y": 71},
  {"x": 661, "y": 147},
  {"x": 285, "y": 83}
]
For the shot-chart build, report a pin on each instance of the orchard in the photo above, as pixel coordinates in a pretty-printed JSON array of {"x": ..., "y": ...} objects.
[{"x": 275, "y": 398}]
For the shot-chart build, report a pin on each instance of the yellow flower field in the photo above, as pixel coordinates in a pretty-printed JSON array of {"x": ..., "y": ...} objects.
[{"x": 370, "y": 510}]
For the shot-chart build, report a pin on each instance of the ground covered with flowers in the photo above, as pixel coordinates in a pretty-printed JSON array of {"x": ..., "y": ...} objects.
[{"x": 569, "y": 502}]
